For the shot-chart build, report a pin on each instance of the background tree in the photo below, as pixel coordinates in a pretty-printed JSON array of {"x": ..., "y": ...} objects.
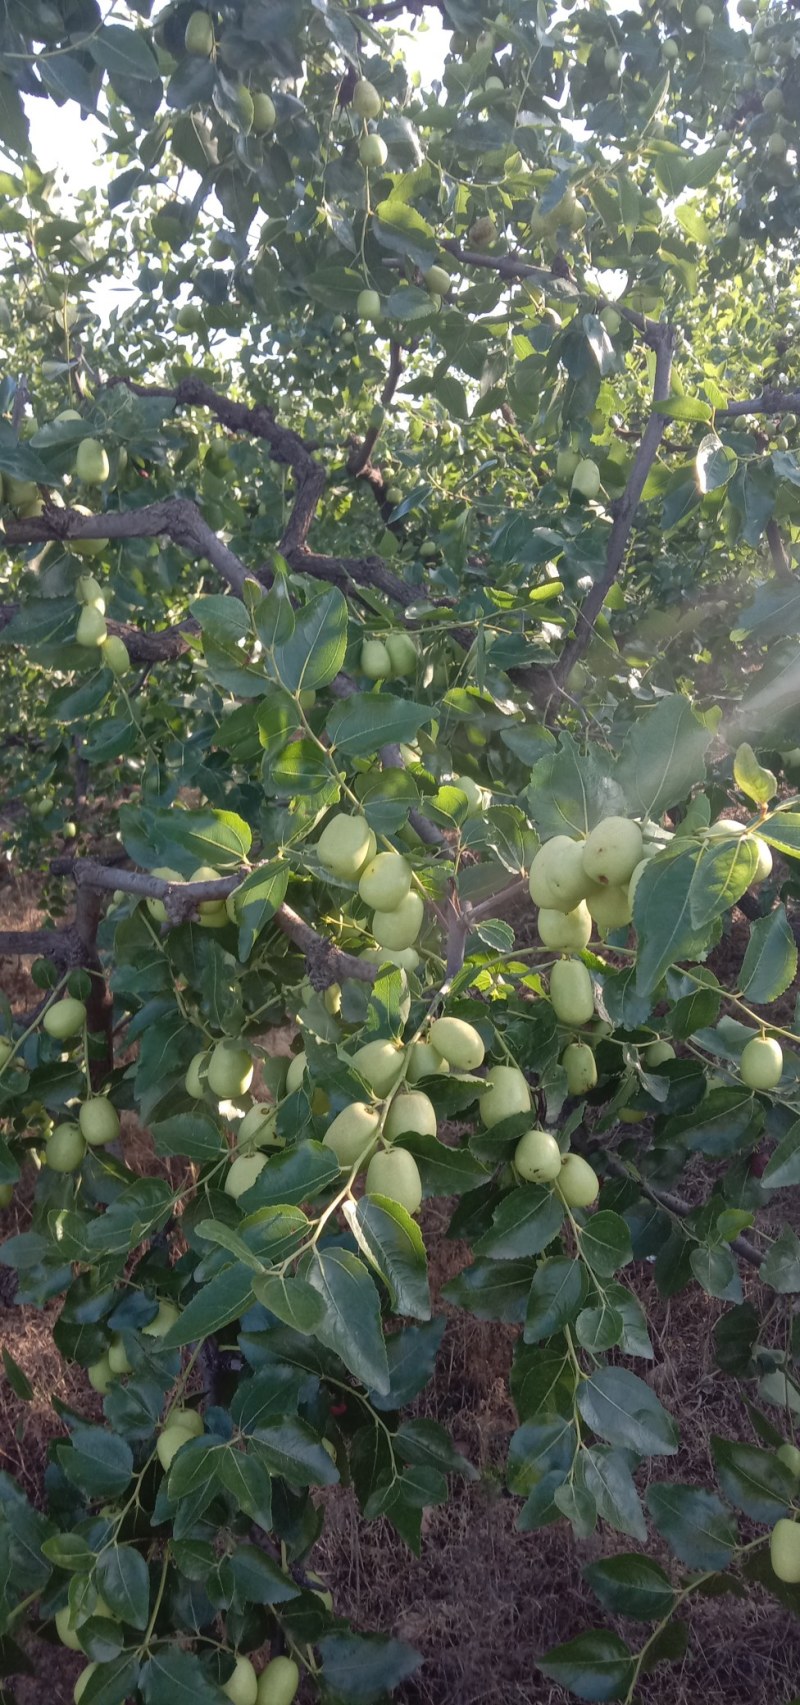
[{"x": 415, "y": 535}]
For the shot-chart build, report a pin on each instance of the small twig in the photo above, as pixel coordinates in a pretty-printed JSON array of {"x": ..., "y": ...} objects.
[
  {"x": 676, "y": 1205},
  {"x": 777, "y": 550}
]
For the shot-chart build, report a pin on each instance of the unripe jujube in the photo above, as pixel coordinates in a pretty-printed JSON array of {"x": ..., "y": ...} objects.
[{"x": 507, "y": 1095}]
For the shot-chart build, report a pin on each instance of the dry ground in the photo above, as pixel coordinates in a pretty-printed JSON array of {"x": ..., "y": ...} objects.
[{"x": 482, "y": 1600}]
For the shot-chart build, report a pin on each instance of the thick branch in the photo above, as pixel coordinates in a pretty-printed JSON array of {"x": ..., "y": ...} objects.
[
  {"x": 663, "y": 337},
  {"x": 141, "y": 647},
  {"x": 176, "y": 518},
  {"x": 769, "y": 402},
  {"x": 328, "y": 964},
  {"x": 680, "y": 1208},
  {"x": 285, "y": 447},
  {"x": 778, "y": 552}
]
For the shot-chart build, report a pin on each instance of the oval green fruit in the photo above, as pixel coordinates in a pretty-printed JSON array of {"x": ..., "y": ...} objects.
[
  {"x": 156, "y": 908},
  {"x": 657, "y": 1053},
  {"x": 346, "y": 845},
  {"x": 65, "y": 1631},
  {"x": 375, "y": 661},
  {"x": 230, "y": 1070},
  {"x": 784, "y": 1550},
  {"x": 64, "y": 1018},
  {"x": 166, "y": 1316},
  {"x": 352, "y": 1133},
  {"x": 410, "y": 1110},
  {"x": 89, "y": 591},
  {"x": 99, "y": 1121},
  {"x": 169, "y": 1443},
  {"x": 578, "y": 1182},
  {"x": 557, "y": 878},
  {"x": 199, "y": 35},
  {"x": 373, "y": 152},
  {"x": 475, "y": 796},
  {"x": 264, "y": 113},
  {"x": 612, "y": 851},
  {"x": 482, "y": 231},
  {"x": 580, "y": 1066},
  {"x": 367, "y": 102},
  {"x": 278, "y": 1683},
  {"x": 243, "y": 1173},
  {"x": 385, "y": 881},
  {"x": 399, "y": 927},
  {"x": 761, "y": 1064},
  {"x": 86, "y": 547},
  {"x": 6, "y": 1196},
  {"x": 91, "y": 629},
  {"x": 564, "y": 929},
  {"x": 571, "y": 992},
  {"x": 187, "y": 1419},
  {"x": 296, "y": 1072},
  {"x": 507, "y": 1095},
  {"x": 438, "y": 281},
  {"x": 115, "y": 655},
  {"x": 257, "y": 1129},
  {"x": 100, "y": 1376},
  {"x": 458, "y": 1042},
  {"x": 537, "y": 1157},
  {"x": 65, "y": 1148},
  {"x": 789, "y": 1455},
  {"x": 82, "y": 1683},
  {"x": 91, "y": 462},
  {"x": 368, "y": 305},
  {"x": 380, "y": 1065},
  {"x": 242, "y": 1686},
  {"x": 403, "y": 654},
  {"x": 610, "y": 908},
  {"x": 424, "y": 1061},
  {"x": 195, "y": 1080},
  {"x": 118, "y": 1355},
  {"x": 394, "y": 1173}
]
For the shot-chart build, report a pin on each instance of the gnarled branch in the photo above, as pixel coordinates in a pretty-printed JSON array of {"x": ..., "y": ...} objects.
[{"x": 176, "y": 518}]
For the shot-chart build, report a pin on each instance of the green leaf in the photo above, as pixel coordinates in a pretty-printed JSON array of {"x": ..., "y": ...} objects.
[
  {"x": 17, "y": 1377},
  {"x": 783, "y": 1169},
  {"x": 292, "y": 1300},
  {"x": 191, "y": 1134},
  {"x": 219, "y": 1302},
  {"x": 716, "y": 1271},
  {"x": 428, "y": 1445},
  {"x": 781, "y": 1269},
  {"x": 770, "y": 963},
  {"x": 782, "y": 830},
  {"x": 402, "y": 230},
  {"x": 751, "y": 777},
  {"x": 97, "y": 1462},
  {"x": 123, "y": 1579},
  {"x": 571, "y": 791},
  {"x": 556, "y": 1296},
  {"x": 361, "y": 1668},
  {"x": 409, "y": 304},
  {"x": 684, "y": 408},
  {"x": 123, "y": 53},
  {"x": 256, "y": 900},
  {"x": 115, "y": 1682},
  {"x": 174, "y": 1677},
  {"x": 662, "y": 917},
  {"x": 445, "y": 1170},
  {"x": 620, "y": 1408},
  {"x": 753, "y": 1480},
  {"x": 606, "y": 1242},
  {"x": 259, "y": 1580},
  {"x": 723, "y": 1122},
  {"x": 663, "y": 757},
  {"x": 595, "y": 1665},
  {"x": 696, "y": 1525},
  {"x": 393, "y": 1243},
  {"x": 361, "y": 723},
  {"x": 13, "y": 124},
  {"x": 314, "y": 653},
  {"x": 492, "y": 1290},
  {"x": 249, "y": 1484},
  {"x": 352, "y": 1321},
  {"x": 630, "y": 1585},
  {"x": 523, "y": 1224}
]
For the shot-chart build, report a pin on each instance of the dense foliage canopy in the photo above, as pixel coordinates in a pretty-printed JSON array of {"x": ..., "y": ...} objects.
[{"x": 401, "y": 637}]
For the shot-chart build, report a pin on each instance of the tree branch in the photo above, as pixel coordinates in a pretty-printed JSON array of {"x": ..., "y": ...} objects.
[
  {"x": 176, "y": 518},
  {"x": 328, "y": 964},
  {"x": 677, "y": 1206},
  {"x": 769, "y": 402},
  {"x": 663, "y": 338},
  {"x": 778, "y": 552},
  {"x": 359, "y": 456}
]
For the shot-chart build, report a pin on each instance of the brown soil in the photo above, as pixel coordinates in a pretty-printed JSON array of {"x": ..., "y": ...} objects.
[{"x": 483, "y": 1600}]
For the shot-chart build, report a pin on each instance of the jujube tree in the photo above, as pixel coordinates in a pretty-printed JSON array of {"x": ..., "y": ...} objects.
[{"x": 383, "y": 571}]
